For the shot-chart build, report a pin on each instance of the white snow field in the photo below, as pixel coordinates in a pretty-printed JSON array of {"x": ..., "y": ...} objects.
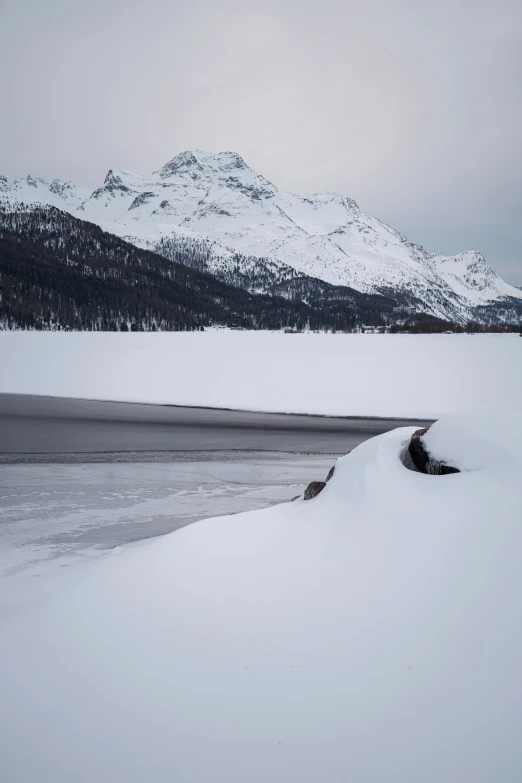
[
  {"x": 410, "y": 376},
  {"x": 371, "y": 634}
]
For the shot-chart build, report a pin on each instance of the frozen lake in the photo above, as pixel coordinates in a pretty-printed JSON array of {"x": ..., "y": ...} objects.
[
  {"x": 80, "y": 477},
  {"x": 396, "y": 375},
  {"x": 53, "y": 516}
]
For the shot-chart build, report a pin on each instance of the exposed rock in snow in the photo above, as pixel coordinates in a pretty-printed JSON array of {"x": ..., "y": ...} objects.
[
  {"x": 423, "y": 460},
  {"x": 62, "y": 189},
  {"x": 313, "y": 489},
  {"x": 60, "y": 194},
  {"x": 217, "y": 197},
  {"x": 142, "y": 199}
]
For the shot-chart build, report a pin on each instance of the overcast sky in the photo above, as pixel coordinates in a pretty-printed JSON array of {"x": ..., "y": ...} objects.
[{"x": 411, "y": 107}]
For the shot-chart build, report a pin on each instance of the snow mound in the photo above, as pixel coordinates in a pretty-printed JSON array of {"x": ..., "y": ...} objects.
[
  {"x": 372, "y": 633},
  {"x": 472, "y": 443}
]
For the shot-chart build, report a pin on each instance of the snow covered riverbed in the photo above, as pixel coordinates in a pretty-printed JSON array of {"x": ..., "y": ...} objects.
[
  {"x": 408, "y": 376},
  {"x": 371, "y": 634}
]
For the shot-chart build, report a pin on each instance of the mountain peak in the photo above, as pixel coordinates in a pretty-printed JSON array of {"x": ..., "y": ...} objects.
[
  {"x": 183, "y": 162},
  {"x": 217, "y": 197},
  {"x": 33, "y": 182},
  {"x": 225, "y": 161},
  {"x": 115, "y": 180},
  {"x": 198, "y": 162},
  {"x": 61, "y": 188},
  {"x": 113, "y": 177}
]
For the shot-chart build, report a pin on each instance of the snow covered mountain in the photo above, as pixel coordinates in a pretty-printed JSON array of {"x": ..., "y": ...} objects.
[{"x": 218, "y": 199}]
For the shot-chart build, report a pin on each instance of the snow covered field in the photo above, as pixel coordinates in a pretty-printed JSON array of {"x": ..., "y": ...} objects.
[
  {"x": 341, "y": 375},
  {"x": 371, "y": 634}
]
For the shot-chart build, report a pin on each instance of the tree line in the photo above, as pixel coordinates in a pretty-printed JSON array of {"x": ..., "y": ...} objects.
[{"x": 438, "y": 326}]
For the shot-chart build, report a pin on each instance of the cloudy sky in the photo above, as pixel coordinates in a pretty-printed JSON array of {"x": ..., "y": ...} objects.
[{"x": 411, "y": 107}]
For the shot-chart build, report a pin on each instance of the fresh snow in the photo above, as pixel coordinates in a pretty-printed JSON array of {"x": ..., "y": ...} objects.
[
  {"x": 371, "y": 634},
  {"x": 218, "y": 197},
  {"x": 412, "y": 376}
]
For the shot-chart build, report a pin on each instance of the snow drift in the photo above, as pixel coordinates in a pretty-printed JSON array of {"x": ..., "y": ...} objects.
[{"x": 372, "y": 633}]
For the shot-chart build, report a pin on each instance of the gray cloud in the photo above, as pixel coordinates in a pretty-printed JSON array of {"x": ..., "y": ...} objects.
[{"x": 413, "y": 108}]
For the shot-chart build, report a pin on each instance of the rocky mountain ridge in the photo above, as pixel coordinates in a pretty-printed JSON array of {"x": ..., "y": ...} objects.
[{"x": 218, "y": 200}]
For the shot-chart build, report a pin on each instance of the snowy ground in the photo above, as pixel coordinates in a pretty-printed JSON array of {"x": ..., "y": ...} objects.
[
  {"x": 56, "y": 517},
  {"x": 371, "y": 634},
  {"x": 340, "y": 375}
]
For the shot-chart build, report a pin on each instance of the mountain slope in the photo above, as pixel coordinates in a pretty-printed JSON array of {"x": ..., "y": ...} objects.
[
  {"x": 57, "y": 271},
  {"x": 217, "y": 197},
  {"x": 261, "y": 275}
]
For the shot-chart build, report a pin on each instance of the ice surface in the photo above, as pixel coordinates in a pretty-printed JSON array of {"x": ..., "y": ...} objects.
[{"x": 54, "y": 516}]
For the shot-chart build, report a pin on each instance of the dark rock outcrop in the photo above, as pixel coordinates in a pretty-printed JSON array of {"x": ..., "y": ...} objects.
[
  {"x": 313, "y": 489},
  {"x": 296, "y": 498},
  {"x": 330, "y": 473},
  {"x": 422, "y": 459},
  {"x": 417, "y": 451}
]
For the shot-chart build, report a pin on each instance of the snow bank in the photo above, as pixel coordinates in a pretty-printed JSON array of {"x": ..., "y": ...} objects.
[
  {"x": 339, "y": 375},
  {"x": 474, "y": 443},
  {"x": 371, "y": 634}
]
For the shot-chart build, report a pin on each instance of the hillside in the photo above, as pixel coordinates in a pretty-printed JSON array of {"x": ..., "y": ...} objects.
[
  {"x": 218, "y": 199},
  {"x": 60, "y": 272}
]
